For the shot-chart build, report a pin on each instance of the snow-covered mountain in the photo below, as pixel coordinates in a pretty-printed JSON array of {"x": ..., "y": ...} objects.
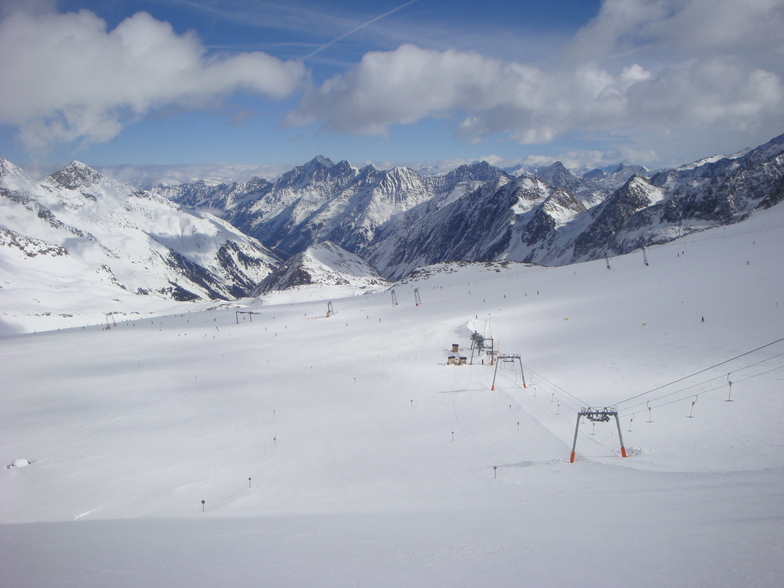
[
  {"x": 533, "y": 221},
  {"x": 399, "y": 220},
  {"x": 325, "y": 264},
  {"x": 474, "y": 226},
  {"x": 326, "y": 201},
  {"x": 80, "y": 231},
  {"x": 77, "y": 229}
]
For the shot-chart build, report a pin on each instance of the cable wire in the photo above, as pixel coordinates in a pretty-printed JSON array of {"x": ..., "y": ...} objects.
[
  {"x": 556, "y": 387},
  {"x": 699, "y": 372},
  {"x": 735, "y": 371},
  {"x": 625, "y": 414}
]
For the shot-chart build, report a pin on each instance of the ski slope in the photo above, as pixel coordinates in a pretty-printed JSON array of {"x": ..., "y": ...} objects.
[{"x": 344, "y": 451}]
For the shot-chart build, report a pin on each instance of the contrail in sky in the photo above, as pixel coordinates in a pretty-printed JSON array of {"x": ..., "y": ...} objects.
[{"x": 355, "y": 29}]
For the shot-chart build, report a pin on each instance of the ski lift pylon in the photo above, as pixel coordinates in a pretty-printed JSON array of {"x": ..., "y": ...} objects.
[
  {"x": 508, "y": 359},
  {"x": 597, "y": 416}
]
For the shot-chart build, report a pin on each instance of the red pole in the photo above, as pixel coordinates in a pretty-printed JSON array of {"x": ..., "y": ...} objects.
[
  {"x": 574, "y": 443},
  {"x": 620, "y": 436}
]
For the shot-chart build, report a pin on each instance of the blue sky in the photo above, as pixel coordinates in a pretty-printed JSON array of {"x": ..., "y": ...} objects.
[{"x": 658, "y": 82}]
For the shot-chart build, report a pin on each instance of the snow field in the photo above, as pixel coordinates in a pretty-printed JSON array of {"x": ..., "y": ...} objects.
[{"x": 344, "y": 426}]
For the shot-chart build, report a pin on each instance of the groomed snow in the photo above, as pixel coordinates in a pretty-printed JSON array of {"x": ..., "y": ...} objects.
[{"x": 344, "y": 451}]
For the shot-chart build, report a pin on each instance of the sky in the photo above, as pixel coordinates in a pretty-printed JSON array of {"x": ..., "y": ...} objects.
[{"x": 420, "y": 82}]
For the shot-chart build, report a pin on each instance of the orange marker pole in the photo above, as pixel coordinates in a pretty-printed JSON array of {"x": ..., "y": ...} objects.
[
  {"x": 620, "y": 436},
  {"x": 574, "y": 444}
]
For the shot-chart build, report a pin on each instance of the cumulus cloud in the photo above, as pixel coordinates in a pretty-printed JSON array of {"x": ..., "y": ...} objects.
[
  {"x": 401, "y": 86},
  {"x": 641, "y": 66},
  {"x": 65, "y": 77},
  {"x": 534, "y": 106}
]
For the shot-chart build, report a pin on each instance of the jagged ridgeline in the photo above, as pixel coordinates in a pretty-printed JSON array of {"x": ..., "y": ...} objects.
[
  {"x": 398, "y": 220},
  {"x": 206, "y": 241}
]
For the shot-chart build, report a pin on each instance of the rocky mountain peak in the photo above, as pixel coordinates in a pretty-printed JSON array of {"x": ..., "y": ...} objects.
[
  {"x": 479, "y": 171},
  {"x": 557, "y": 175},
  {"x": 76, "y": 175},
  {"x": 9, "y": 170},
  {"x": 318, "y": 169},
  {"x": 594, "y": 174},
  {"x": 6, "y": 167},
  {"x": 320, "y": 160},
  {"x": 13, "y": 177},
  {"x": 638, "y": 192}
]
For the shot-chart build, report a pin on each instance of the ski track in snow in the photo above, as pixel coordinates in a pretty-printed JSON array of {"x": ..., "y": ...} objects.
[{"x": 345, "y": 426}]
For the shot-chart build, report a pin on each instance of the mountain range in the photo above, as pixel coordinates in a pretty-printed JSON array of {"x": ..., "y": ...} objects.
[
  {"x": 399, "y": 220},
  {"x": 202, "y": 240}
]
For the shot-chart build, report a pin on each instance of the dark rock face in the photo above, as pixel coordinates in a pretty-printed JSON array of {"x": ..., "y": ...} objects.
[
  {"x": 609, "y": 216},
  {"x": 288, "y": 275},
  {"x": 325, "y": 264}
]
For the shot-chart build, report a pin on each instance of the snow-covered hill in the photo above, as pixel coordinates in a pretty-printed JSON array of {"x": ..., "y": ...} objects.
[
  {"x": 201, "y": 449},
  {"x": 78, "y": 230}
]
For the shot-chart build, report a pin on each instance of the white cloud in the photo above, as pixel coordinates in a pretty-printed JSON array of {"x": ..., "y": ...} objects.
[
  {"x": 685, "y": 27},
  {"x": 400, "y": 87},
  {"x": 65, "y": 77},
  {"x": 666, "y": 68},
  {"x": 534, "y": 106}
]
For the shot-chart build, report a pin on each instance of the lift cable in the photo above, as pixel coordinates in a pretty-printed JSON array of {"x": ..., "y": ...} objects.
[
  {"x": 698, "y": 372},
  {"x": 557, "y": 387},
  {"x": 735, "y": 371},
  {"x": 722, "y": 387}
]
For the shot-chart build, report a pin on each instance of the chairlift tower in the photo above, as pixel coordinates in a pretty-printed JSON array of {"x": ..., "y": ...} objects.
[
  {"x": 508, "y": 359},
  {"x": 480, "y": 344},
  {"x": 597, "y": 416}
]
